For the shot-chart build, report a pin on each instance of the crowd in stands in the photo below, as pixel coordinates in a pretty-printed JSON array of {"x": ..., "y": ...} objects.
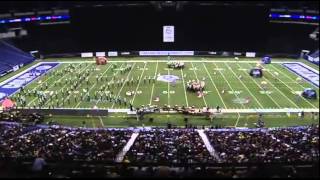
[
  {"x": 281, "y": 145},
  {"x": 8, "y": 131},
  {"x": 300, "y": 145},
  {"x": 169, "y": 146},
  {"x": 155, "y": 152},
  {"x": 58, "y": 144}
]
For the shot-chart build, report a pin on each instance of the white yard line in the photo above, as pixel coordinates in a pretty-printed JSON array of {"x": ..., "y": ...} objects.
[
  {"x": 94, "y": 85},
  {"x": 204, "y": 100},
  {"x": 261, "y": 88},
  {"x": 223, "y": 111},
  {"x": 237, "y": 120},
  {"x": 227, "y": 61},
  {"x": 155, "y": 76},
  {"x": 48, "y": 88},
  {"x": 134, "y": 96},
  {"x": 45, "y": 80},
  {"x": 225, "y": 106},
  {"x": 66, "y": 83},
  {"x": 24, "y": 71},
  {"x": 42, "y": 82},
  {"x": 184, "y": 87},
  {"x": 17, "y": 75},
  {"x": 101, "y": 121},
  {"x": 280, "y": 92},
  {"x": 168, "y": 89},
  {"x": 231, "y": 89},
  {"x": 124, "y": 83},
  {"x": 228, "y": 84},
  {"x": 114, "y": 74},
  {"x": 294, "y": 82},
  {"x": 283, "y": 93},
  {"x": 94, "y": 126},
  {"x": 244, "y": 86}
]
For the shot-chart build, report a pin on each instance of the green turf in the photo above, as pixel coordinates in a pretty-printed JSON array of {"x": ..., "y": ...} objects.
[
  {"x": 219, "y": 74},
  {"x": 161, "y": 120}
]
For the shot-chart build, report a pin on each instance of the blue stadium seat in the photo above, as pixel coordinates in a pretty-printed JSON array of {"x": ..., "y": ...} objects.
[
  {"x": 11, "y": 56},
  {"x": 315, "y": 54}
]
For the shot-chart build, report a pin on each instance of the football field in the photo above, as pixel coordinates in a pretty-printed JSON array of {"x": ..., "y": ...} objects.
[{"x": 227, "y": 84}]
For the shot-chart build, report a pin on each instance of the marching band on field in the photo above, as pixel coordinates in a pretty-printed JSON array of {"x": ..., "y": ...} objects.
[{"x": 79, "y": 88}]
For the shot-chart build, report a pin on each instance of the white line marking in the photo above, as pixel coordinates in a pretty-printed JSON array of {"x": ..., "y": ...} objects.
[
  {"x": 155, "y": 76},
  {"x": 244, "y": 86},
  {"x": 232, "y": 111},
  {"x": 237, "y": 120},
  {"x": 184, "y": 87},
  {"x": 228, "y": 61},
  {"x": 293, "y": 81},
  {"x": 43, "y": 81},
  {"x": 261, "y": 88},
  {"x": 198, "y": 80},
  {"x": 24, "y": 71},
  {"x": 17, "y": 75},
  {"x": 66, "y": 83},
  {"x": 168, "y": 89},
  {"x": 48, "y": 88},
  {"x": 94, "y": 126},
  {"x": 134, "y": 96},
  {"x": 280, "y": 92},
  {"x": 228, "y": 84},
  {"x": 230, "y": 87},
  {"x": 123, "y": 83},
  {"x": 101, "y": 121},
  {"x": 225, "y": 106},
  {"x": 95, "y": 85}
]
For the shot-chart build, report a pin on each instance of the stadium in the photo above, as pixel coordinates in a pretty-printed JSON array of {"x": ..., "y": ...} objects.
[{"x": 159, "y": 89}]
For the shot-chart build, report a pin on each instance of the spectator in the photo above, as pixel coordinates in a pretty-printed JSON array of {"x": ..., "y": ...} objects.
[
  {"x": 169, "y": 146},
  {"x": 39, "y": 164}
]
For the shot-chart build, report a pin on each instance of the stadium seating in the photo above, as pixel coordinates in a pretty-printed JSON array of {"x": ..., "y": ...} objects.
[
  {"x": 169, "y": 146},
  {"x": 62, "y": 146},
  {"x": 12, "y": 56},
  {"x": 163, "y": 145},
  {"x": 274, "y": 146},
  {"x": 8, "y": 131},
  {"x": 4, "y": 67},
  {"x": 315, "y": 54},
  {"x": 68, "y": 144}
]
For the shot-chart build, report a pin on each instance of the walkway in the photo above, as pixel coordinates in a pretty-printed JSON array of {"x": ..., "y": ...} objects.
[{"x": 126, "y": 148}]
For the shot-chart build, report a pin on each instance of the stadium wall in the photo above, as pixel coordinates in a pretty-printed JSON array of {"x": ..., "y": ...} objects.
[
  {"x": 65, "y": 111},
  {"x": 226, "y": 54}
]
